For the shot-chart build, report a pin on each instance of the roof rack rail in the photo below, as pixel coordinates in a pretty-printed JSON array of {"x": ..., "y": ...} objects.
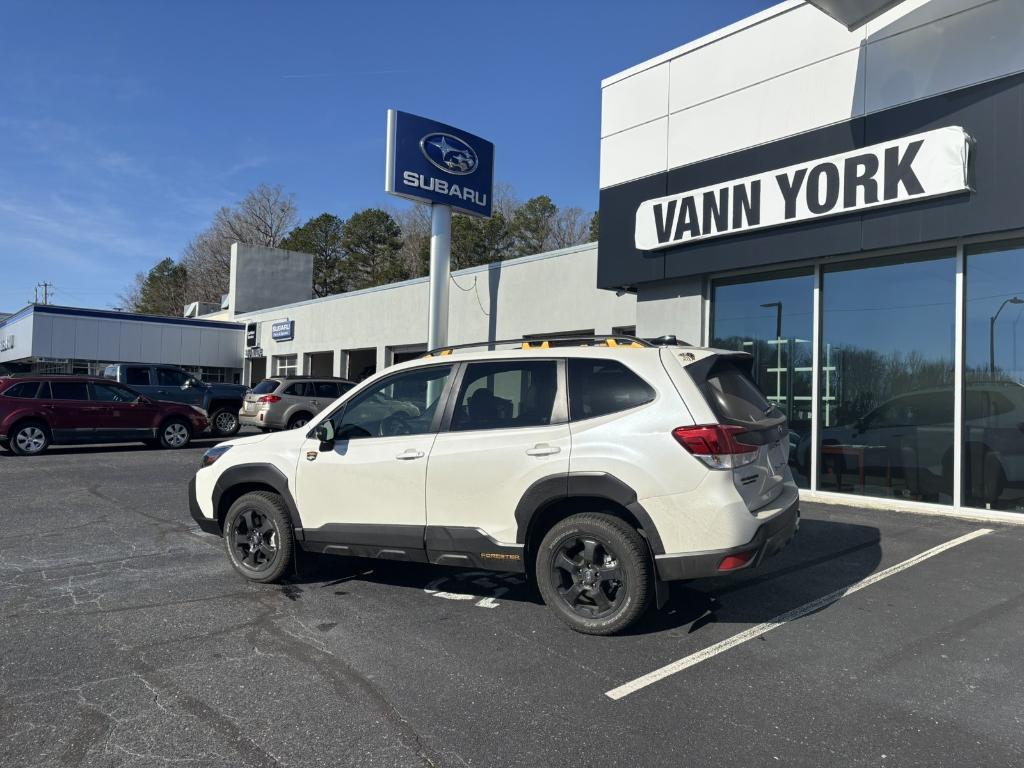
[{"x": 547, "y": 342}]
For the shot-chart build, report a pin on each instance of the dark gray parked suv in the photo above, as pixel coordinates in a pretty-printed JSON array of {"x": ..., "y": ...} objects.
[{"x": 169, "y": 382}]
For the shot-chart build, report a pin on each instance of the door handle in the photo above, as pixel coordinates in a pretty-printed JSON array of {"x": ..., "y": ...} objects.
[
  {"x": 409, "y": 454},
  {"x": 543, "y": 449}
]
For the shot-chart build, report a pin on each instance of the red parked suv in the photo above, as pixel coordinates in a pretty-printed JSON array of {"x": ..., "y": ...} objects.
[{"x": 36, "y": 411}]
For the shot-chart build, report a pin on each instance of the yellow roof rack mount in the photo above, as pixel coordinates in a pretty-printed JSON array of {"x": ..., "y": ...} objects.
[{"x": 616, "y": 341}]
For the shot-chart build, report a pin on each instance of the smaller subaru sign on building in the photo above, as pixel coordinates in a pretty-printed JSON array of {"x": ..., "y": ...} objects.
[
  {"x": 435, "y": 163},
  {"x": 283, "y": 330}
]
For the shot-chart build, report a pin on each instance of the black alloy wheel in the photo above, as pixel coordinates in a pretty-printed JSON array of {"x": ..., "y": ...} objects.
[
  {"x": 255, "y": 540},
  {"x": 258, "y": 536},
  {"x": 588, "y": 577},
  {"x": 595, "y": 572}
]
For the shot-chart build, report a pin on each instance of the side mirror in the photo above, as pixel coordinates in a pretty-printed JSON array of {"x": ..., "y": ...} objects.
[{"x": 324, "y": 432}]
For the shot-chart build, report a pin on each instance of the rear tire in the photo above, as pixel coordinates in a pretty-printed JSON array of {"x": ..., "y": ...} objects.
[
  {"x": 224, "y": 422},
  {"x": 29, "y": 438},
  {"x": 593, "y": 571},
  {"x": 175, "y": 434},
  {"x": 258, "y": 537},
  {"x": 299, "y": 420}
]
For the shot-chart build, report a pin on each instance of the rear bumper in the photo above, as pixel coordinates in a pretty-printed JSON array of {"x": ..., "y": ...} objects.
[
  {"x": 205, "y": 523},
  {"x": 253, "y": 420},
  {"x": 769, "y": 539}
]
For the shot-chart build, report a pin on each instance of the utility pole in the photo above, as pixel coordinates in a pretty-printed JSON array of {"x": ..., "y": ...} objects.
[{"x": 46, "y": 291}]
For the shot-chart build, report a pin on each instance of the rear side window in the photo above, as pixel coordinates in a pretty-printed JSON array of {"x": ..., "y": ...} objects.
[
  {"x": 169, "y": 377},
  {"x": 506, "y": 395},
  {"x": 23, "y": 389},
  {"x": 599, "y": 387},
  {"x": 69, "y": 390},
  {"x": 136, "y": 376},
  {"x": 326, "y": 389},
  {"x": 265, "y": 387},
  {"x": 300, "y": 389},
  {"x": 734, "y": 396}
]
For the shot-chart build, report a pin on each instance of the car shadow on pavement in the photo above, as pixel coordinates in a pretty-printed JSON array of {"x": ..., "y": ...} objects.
[
  {"x": 824, "y": 556},
  {"x": 55, "y": 451}
]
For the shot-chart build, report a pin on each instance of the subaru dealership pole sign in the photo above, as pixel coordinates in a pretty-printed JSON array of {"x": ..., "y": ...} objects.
[{"x": 434, "y": 163}]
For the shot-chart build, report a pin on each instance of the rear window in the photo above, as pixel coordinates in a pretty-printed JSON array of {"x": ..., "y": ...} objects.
[
  {"x": 734, "y": 396},
  {"x": 23, "y": 389},
  {"x": 69, "y": 390},
  {"x": 599, "y": 387},
  {"x": 265, "y": 387}
]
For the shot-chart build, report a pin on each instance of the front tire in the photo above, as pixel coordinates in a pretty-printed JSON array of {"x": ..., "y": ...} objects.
[
  {"x": 30, "y": 438},
  {"x": 175, "y": 434},
  {"x": 594, "y": 572},
  {"x": 258, "y": 537},
  {"x": 224, "y": 422}
]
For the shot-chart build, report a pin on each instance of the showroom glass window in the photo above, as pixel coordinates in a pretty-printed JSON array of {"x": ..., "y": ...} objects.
[
  {"x": 773, "y": 320},
  {"x": 993, "y": 436},
  {"x": 886, "y": 378}
]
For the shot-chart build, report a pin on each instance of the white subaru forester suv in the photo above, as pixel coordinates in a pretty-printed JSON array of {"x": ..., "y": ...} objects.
[{"x": 602, "y": 470}]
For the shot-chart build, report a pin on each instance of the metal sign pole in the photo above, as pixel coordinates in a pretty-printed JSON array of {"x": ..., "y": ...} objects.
[{"x": 440, "y": 269}]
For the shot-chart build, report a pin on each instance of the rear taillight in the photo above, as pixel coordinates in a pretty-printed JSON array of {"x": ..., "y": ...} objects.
[
  {"x": 732, "y": 562},
  {"x": 269, "y": 399},
  {"x": 716, "y": 445}
]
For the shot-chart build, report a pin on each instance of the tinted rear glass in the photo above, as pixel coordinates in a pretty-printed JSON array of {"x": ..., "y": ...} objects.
[
  {"x": 265, "y": 387},
  {"x": 735, "y": 397},
  {"x": 326, "y": 389},
  {"x": 69, "y": 390},
  {"x": 598, "y": 387},
  {"x": 23, "y": 389},
  {"x": 136, "y": 376}
]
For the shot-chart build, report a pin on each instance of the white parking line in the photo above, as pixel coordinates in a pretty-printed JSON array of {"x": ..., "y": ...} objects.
[{"x": 689, "y": 661}]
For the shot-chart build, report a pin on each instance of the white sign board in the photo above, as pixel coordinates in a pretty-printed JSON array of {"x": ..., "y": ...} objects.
[{"x": 912, "y": 168}]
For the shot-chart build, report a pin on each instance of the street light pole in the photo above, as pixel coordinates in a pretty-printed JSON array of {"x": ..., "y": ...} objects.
[{"x": 992, "y": 334}]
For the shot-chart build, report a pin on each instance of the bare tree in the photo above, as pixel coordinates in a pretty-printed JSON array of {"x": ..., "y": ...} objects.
[
  {"x": 570, "y": 227},
  {"x": 263, "y": 217}
]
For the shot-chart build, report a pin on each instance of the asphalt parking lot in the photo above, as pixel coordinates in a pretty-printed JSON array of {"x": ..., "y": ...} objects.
[{"x": 126, "y": 640}]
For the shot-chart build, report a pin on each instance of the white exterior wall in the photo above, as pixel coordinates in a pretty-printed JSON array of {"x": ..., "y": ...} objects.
[
  {"x": 546, "y": 293},
  {"x": 104, "y": 339},
  {"x": 792, "y": 69},
  {"x": 21, "y": 330}
]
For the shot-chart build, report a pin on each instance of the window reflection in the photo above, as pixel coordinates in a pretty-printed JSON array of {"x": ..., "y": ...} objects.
[
  {"x": 993, "y": 448},
  {"x": 773, "y": 320},
  {"x": 887, "y": 362}
]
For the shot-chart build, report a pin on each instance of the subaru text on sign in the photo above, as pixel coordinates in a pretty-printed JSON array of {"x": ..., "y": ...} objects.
[{"x": 437, "y": 163}]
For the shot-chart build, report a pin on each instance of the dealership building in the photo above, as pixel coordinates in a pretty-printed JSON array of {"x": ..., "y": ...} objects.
[{"x": 835, "y": 187}]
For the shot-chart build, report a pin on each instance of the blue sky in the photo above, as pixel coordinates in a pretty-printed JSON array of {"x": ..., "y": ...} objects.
[{"x": 125, "y": 125}]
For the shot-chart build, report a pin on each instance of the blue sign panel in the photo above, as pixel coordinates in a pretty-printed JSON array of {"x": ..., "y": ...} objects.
[
  {"x": 283, "y": 330},
  {"x": 436, "y": 163}
]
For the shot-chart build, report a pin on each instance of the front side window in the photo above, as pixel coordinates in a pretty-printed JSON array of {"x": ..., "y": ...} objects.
[
  {"x": 504, "y": 395},
  {"x": 599, "y": 387},
  {"x": 403, "y": 404},
  {"x": 23, "y": 390},
  {"x": 111, "y": 393},
  {"x": 69, "y": 390},
  {"x": 136, "y": 376},
  {"x": 169, "y": 377}
]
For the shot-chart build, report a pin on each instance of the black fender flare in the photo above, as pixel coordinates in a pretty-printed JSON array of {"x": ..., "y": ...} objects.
[
  {"x": 600, "y": 485},
  {"x": 263, "y": 474}
]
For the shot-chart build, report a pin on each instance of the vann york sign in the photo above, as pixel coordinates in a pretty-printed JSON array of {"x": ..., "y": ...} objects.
[{"x": 912, "y": 168}]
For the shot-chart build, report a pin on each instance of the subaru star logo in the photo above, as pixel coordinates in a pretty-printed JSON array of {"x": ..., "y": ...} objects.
[{"x": 449, "y": 153}]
